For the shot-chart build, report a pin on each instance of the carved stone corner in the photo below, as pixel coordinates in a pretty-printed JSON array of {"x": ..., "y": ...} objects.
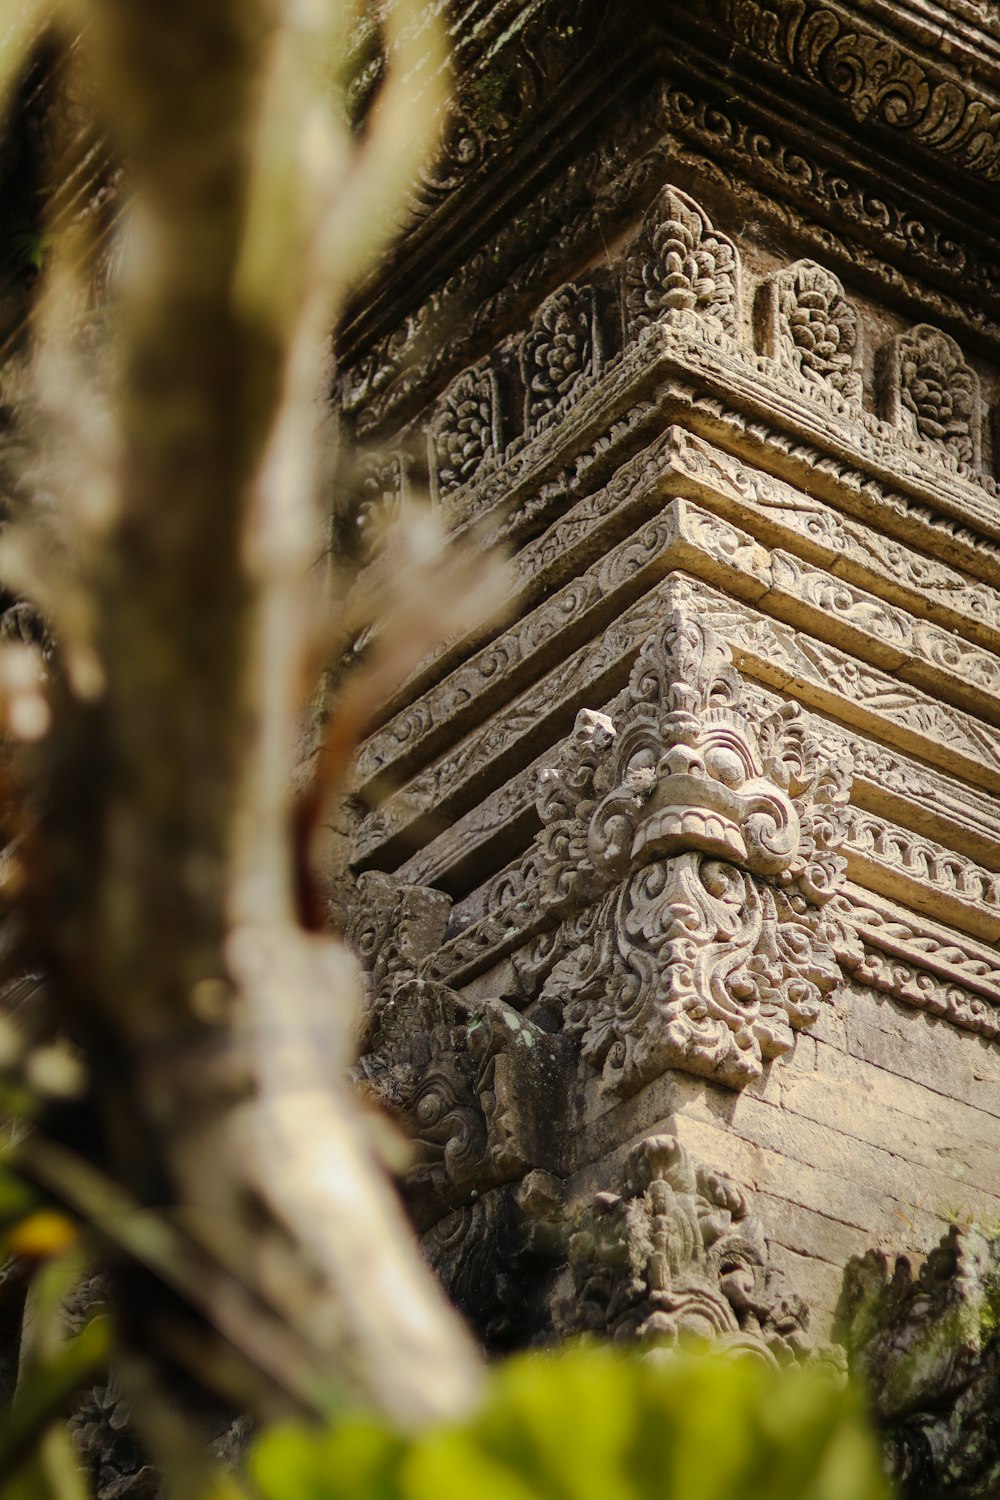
[
  {"x": 496, "y": 1256},
  {"x": 475, "y": 1086},
  {"x": 691, "y": 852},
  {"x": 675, "y": 1254},
  {"x": 479, "y": 1091},
  {"x": 392, "y": 927},
  {"x": 926, "y": 1343},
  {"x": 804, "y": 322},
  {"x": 680, "y": 266},
  {"x": 925, "y": 387}
]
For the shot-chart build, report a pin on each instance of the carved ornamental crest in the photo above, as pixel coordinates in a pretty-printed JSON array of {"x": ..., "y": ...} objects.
[{"x": 705, "y": 846}]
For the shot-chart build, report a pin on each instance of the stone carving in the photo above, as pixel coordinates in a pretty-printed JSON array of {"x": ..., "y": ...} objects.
[
  {"x": 778, "y": 650},
  {"x": 805, "y": 321},
  {"x": 701, "y": 132},
  {"x": 866, "y": 697},
  {"x": 935, "y": 658},
  {"x": 467, "y": 1082},
  {"x": 562, "y": 350},
  {"x": 391, "y": 926},
  {"x": 605, "y": 588},
  {"x": 921, "y": 941},
  {"x": 718, "y": 841},
  {"x": 926, "y": 386},
  {"x": 380, "y": 502},
  {"x": 955, "y": 518},
  {"x": 923, "y": 989},
  {"x": 677, "y": 1254},
  {"x": 680, "y": 263},
  {"x": 495, "y": 1255},
  {"x": 446, "y": 788},
  {"x": 477, "y": 1089},
  {"x": 668, "y": 915},
  {"x": 828, "y": 44},
  {"x": 691, "y": 349},
  {"x": 927, "y": 1345},
  {"x": 925, "y": 872},
  {"x": 466, "y": 431},
  {"x": 776, "y": 512}
]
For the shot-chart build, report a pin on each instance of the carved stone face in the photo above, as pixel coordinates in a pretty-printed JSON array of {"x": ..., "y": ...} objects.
[
  {"x": 443, "y": 1116},
  {"x": 694, "y": 787}
]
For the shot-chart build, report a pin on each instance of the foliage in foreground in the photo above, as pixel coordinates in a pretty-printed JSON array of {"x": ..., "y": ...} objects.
[{"x": 590, "y": 1424}]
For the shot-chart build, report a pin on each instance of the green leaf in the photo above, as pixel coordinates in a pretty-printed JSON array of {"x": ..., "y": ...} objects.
[
  {"x": 593, "y": 1424},
  {"x": 357, "y": 1459},
  {"x": 453, "y": 1466},
  {"x": 539, "y": 1399}
]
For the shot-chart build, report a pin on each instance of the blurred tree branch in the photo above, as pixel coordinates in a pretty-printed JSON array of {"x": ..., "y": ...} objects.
[{"x": 156, "y": 868}]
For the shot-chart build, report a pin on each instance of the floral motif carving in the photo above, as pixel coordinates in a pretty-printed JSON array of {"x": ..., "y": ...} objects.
[
  {"x": 466, "y": 431},
  {"x": 576, "y": 210},
  {"x": 714, "y": 842},
  {"x": 680, "y": 263},
  {"x": 805, "y": 321},
  {"x": 380, "y": 500},
  {"x": 926, "y": 386},
  {"x": 561, "y": 350},
  {"x": 677, "y": 1253}
]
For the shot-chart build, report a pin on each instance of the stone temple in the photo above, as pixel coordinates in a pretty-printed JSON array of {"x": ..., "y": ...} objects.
[{"x": 678, "y": 885}]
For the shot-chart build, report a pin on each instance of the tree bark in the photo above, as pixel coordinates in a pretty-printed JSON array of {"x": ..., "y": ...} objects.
[{"x": 161, "y": 886}]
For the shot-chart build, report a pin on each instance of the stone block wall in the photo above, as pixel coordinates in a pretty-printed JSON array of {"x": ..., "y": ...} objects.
[
  {"x": 878, "y": 1131},
  {"x": 679, "y": 886}
]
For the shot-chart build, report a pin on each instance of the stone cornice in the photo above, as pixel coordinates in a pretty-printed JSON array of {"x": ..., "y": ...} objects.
[
  {"x": 937, "y": 88},
  {"x": 912, "y": 82}
]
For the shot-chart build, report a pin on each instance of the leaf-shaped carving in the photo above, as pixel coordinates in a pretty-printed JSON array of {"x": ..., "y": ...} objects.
[{"x": 680, "y": 263}]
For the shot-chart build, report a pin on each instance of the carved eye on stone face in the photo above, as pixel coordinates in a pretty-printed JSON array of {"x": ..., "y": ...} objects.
[
  {"x": 430, "y": 1109},
  {"x": 640, "y": 771},
  {"x": 725, "y": 764},
  {"x": 643, "y": 760}
]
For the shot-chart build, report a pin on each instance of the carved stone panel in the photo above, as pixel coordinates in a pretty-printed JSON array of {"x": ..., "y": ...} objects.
[
  {"x": 561, "y": 351},
  {"x": 805, "y": 323},
  {"x": 675, "y": 1253},
  {"x": 391, "y": 926},
  {"x": 708, "y": 845},
  {"x": 926, "y": 387},
  {"x": 466, "y": 430},
  {"x": 680, "y": 263},
  {"x": 380, "y": 504},
  {"x": 474, "y": 1084}
]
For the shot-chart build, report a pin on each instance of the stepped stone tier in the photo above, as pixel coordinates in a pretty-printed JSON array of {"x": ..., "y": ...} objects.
[{"x": 678, "y": 886}]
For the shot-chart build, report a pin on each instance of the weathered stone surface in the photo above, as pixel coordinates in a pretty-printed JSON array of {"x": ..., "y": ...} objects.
[
  {"x": 710, "y": 845},
  {"x": 702, "y": 838},
  {"x": 676, "y": 1254},
  {"x": 927, "y": 1344}
]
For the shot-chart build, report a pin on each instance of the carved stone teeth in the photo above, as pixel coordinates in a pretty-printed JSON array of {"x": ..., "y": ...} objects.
[{"x": 672, "y": 829}]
